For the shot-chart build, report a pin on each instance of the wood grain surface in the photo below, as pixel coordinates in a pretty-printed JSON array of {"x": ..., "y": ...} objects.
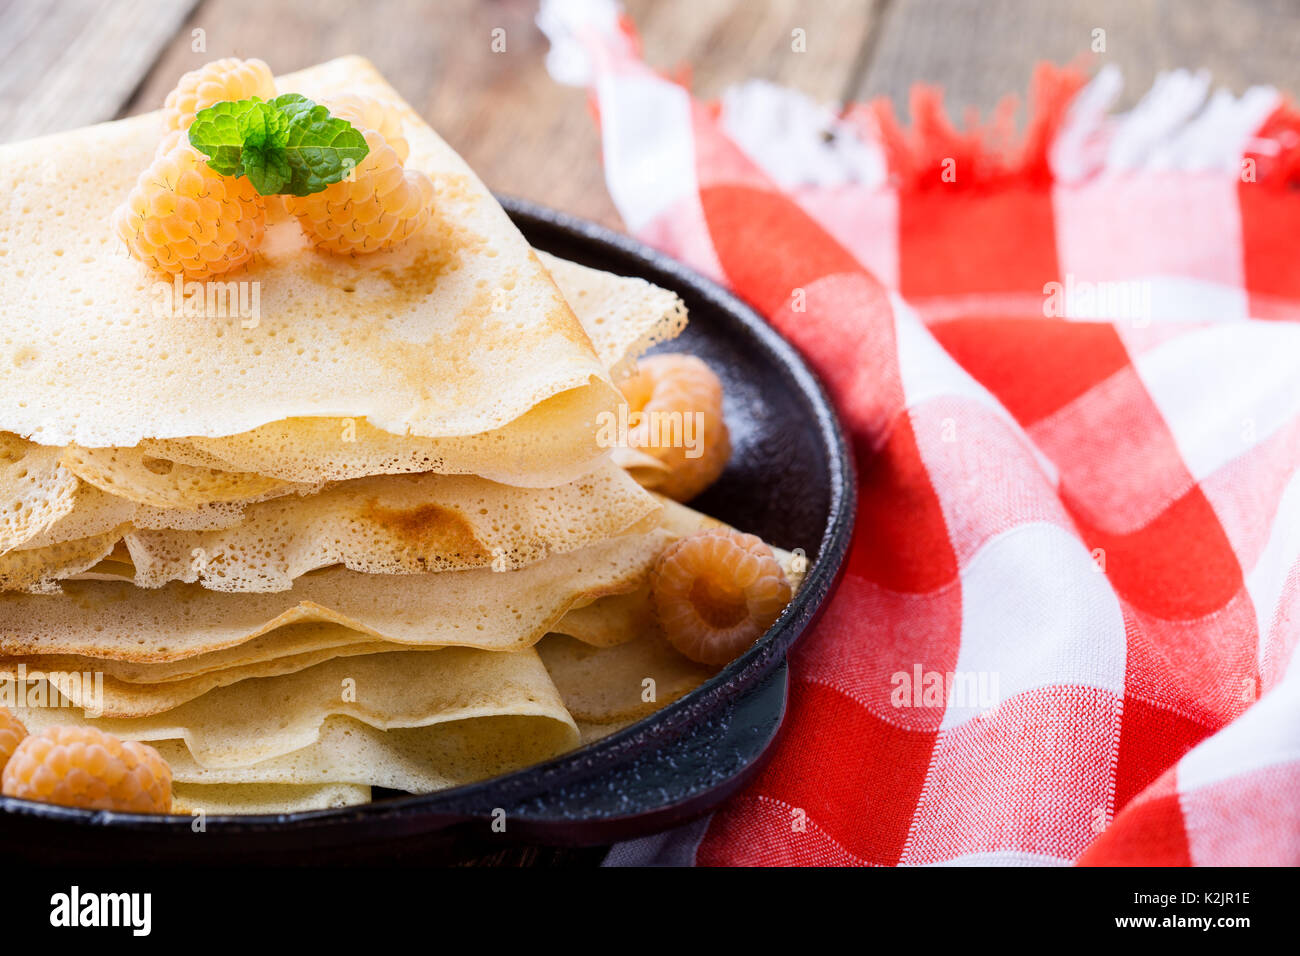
[
  {"x": 71, "y": 62},
  {"x": 980, "y": 50},
  {"x": 74, "y": 62}
]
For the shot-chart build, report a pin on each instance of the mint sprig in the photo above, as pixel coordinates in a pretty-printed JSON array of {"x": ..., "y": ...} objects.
[{"x": 289, "y": 145}]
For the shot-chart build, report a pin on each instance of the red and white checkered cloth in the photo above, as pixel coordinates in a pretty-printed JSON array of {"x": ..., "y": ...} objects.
[{"x": 1070, "y": 366}]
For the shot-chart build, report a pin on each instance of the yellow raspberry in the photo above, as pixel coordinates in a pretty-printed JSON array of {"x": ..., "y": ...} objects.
[
  {"x": 369, "y": 112},
  {"x": 716, "y": 592},
  {"x": 377, "y": 206},
  {"x": 85, "y": 767},
  {"x": 185, "y": 218},
  {"x": 670, "y": 392},
  {"x": 12, "y": 732},
  {"x": 170, "y": 140},
  {"x": 228, "y": 79}
]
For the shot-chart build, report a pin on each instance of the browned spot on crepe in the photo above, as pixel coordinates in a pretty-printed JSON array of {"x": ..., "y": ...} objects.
[{"x": 427, "y": 529}]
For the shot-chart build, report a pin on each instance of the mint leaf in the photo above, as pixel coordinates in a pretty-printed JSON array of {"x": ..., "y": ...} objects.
[
  {"x": 287, "y": 146},
  {"x": 217, "y": 134},
  {"x": 293, "y": 104},
  {"x": 320, "y": 149},
  {"x": 263, "y": 127},
  {"x": 266, "y": 169}
]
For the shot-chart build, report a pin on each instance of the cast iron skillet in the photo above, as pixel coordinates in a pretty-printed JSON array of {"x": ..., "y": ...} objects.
[{"x": 790, "y": 480}]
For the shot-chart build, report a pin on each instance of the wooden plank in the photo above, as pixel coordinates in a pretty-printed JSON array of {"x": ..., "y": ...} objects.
[
  {"x": 75, "y": 62},
  {"x": 979, "y": 51},
  {"x": 522, "y": 132},
  {"x": 723, "y": 42}
]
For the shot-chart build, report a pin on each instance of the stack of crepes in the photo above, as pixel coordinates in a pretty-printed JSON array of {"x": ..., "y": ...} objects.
[{"x": 368, "y": 537}]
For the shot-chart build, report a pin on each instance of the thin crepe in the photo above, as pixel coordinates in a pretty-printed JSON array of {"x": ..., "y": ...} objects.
[
  {"x": 476, "y": 608},
  {"x": 128, "y": 490},
  {"x": 623, "y": 316},
  {"x": 396, "y": 524},
  {"x": 604, "y": 692},
  {"x": 416, "y": 759},
  {"x": 99, "y": 694},
  {"x": 463, "y": 327},
  {"x": 603, "y": 689},
  {"x": 35, "y": 491},
  {"x": 109, "y": 688},
  {"x": 131, "y": 474},
  {"x": 294, "y": 640},
  {"x": 228, "y": 727},
  {"x": 610, "y": 621},
  {"x": 625, "y": 682},
  {"x": 301, "y": 641},
  {"x": 253, "y": 799}
]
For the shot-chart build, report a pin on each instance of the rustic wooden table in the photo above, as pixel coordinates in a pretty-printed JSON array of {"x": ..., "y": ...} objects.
[{"x": 66, "y": 63}]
